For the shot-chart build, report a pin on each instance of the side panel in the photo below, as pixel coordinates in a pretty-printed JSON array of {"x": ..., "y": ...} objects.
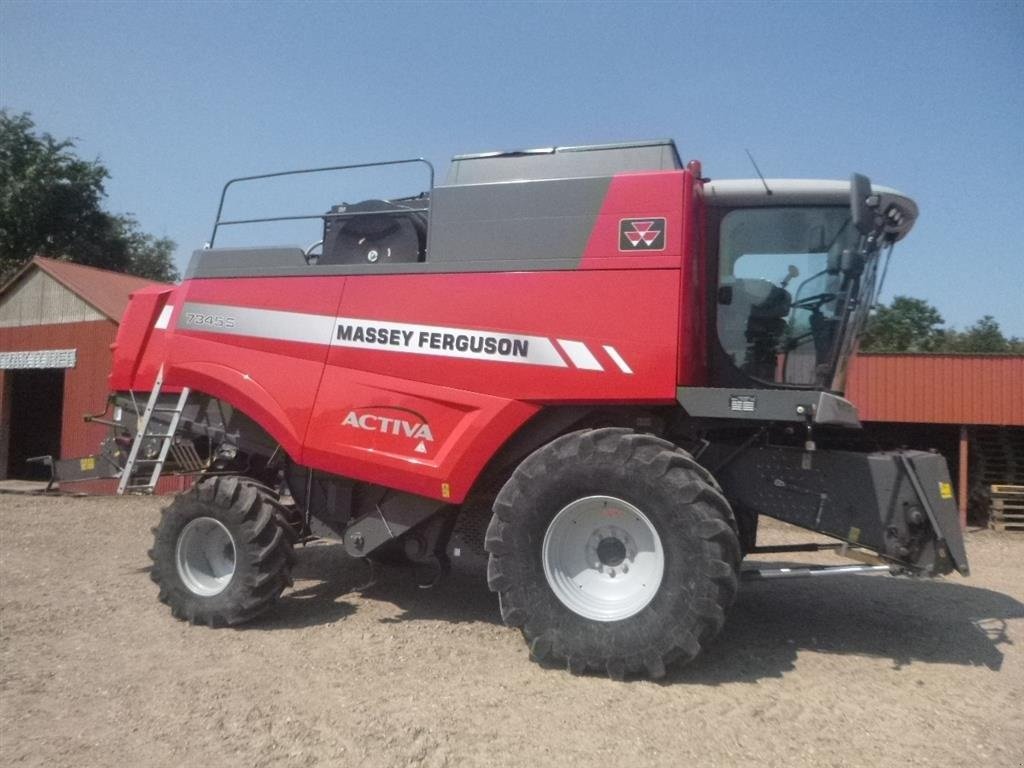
[
  {"x": 693, "y": 337},
  {"x": 257, "y": 343},
  {"x": 469, "y": 358},
  {"x": 140, "y": 343},
  {"x": 672, "y": 198},
  {"x": 581, "y": 336},
  {"x": 419, "y": 438},
  {"x": 656, "y": 197}
]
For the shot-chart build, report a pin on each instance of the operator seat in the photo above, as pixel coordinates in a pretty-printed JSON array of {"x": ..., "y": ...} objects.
[{"x": 752, "y": 323}]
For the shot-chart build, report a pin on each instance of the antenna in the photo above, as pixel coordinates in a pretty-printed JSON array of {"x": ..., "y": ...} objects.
[{"x": 760, "y": 175}]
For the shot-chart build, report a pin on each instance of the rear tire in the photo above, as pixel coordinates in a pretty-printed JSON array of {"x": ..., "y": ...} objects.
[
  {"x": 613, "y": 551},
  {"x": 223, "y": 551}
]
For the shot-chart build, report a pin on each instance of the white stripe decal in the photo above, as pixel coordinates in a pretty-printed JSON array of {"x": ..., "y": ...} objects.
[
  {"x": 613, "y": 353},
  {"x": 377, "y": 335},
  {"x": 387, "y": 336},
  {"x": 580, "y": 355},
  {"x": 262, "y": 323},
  {"x": 165, "y": 317}
]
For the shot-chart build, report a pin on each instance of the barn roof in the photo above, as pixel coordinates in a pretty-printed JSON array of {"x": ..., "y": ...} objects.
[{"x": 107, "y": 292}]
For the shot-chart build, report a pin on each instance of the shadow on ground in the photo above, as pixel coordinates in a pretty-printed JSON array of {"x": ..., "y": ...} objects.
[{"x": 907, "y": 621}]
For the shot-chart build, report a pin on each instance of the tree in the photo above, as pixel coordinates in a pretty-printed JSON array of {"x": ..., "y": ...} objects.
[
  {"x": 906, "y": 325},
  {"x": 983, "y": 338},
  {"x": 51, "y": 205},
  {"x": 149, "y": 256},
  {"x": 914, "y": 325}
]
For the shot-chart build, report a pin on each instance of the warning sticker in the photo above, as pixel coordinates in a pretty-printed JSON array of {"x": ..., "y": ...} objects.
[{"x": 945, "y": 490}]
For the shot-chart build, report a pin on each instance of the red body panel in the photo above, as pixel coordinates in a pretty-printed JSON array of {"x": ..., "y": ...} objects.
[
  {"x": 274, "y": 382},
  {"x": 415, "y": 380},
  {"x": 632, "y": 195},
  {"x": 139, "y": 345}
]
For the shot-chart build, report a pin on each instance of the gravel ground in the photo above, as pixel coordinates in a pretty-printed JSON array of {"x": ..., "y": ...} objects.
[{"x": 846, "y": 671}]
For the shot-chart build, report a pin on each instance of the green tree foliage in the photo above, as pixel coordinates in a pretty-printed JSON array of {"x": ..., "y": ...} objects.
[
  {"x": 51, "y": 205},
  {"x": 914, "y": 325},
  {"x": 907, "y": 325},
  {"x": 983, "y": 338}
]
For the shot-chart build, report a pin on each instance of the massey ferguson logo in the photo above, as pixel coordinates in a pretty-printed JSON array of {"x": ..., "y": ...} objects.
[
  {"x": 642, "y": 235},
  {"x": 387, "y": 420}
]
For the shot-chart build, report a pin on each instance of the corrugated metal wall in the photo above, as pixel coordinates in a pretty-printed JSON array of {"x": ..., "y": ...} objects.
[
  {"x": 85, "y": 385},
  {"x": 938, "y": 389}
]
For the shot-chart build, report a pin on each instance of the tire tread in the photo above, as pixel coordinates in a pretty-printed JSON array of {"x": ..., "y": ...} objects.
[
  {"x": 691, "y": 483},
  {"x": 265, "y": 539}
]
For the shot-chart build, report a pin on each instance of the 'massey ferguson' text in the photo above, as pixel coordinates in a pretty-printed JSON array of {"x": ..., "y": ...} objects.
[{"x": 482, "y": 344}]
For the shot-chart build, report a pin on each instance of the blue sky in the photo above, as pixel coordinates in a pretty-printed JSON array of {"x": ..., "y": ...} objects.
[{"x": 176, "y": 98}]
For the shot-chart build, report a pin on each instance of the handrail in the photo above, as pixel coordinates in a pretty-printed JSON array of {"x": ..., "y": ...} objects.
[{"x": 220, "y": 207}]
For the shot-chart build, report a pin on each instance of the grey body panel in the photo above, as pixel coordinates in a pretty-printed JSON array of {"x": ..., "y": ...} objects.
[
  {"x": 863, "y": 498},
  {"x": 531, "y": 220},
  {"x": 387, "y": 522},
  {"x": 768, "y": 405},
  {"x": 227, "y": 262},
  {"x": 564, "y": 162},
  {"x": 236, "y": 262},
  {"x": 512, "y": 226}
]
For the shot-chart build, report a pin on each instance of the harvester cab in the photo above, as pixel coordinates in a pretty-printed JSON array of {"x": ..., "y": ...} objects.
[
  {"x": 796, "y": 270},
  {"x": 589, "y": 365}
]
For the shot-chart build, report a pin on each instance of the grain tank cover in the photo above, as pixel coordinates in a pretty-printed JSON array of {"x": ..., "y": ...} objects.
[{"x": 564, "y": 162}]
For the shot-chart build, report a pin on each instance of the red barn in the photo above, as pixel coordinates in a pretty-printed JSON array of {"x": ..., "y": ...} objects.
[{"x": 57, "y": 322}]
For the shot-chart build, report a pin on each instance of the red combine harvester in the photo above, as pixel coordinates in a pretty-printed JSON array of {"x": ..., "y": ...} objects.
[{"x": 588, "y": 364}]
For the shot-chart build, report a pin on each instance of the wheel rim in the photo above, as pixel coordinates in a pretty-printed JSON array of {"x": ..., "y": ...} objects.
[
  {"x": 603, "y": 558},
  {"x": 205, "y": 556}
]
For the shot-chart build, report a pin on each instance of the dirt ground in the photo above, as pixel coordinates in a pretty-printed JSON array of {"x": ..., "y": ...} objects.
[{"x": 843, "y": 671}]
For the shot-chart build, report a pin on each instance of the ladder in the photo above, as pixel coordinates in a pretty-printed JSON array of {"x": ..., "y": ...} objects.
[{"x": 143, "y": 433}]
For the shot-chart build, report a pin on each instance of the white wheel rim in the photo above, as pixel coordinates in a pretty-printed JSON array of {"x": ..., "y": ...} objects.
[
  {"x": 603, "y": 558},
  {"x": 205, "y": 557}
]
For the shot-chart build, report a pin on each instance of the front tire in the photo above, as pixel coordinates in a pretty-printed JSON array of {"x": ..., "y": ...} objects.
[
  {"x": 613, "y": 551},
  {"x": 223, "y": 552}
]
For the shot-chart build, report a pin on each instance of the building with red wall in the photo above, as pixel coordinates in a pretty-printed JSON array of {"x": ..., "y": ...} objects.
[
  {"x": 970, "y": 407},
  {"x": 57, "y": 322}
]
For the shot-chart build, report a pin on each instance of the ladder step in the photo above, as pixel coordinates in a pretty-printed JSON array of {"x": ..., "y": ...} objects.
[{"x": 142, "y": 433}]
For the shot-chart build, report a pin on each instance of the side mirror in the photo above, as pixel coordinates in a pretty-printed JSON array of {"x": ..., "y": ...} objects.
[
  {"x": 852, "y": 263},
  {"x": 862, "y": 204}
]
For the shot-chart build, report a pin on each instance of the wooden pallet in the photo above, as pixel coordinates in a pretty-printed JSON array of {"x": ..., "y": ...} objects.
[{"x": 1008, "y": 508}]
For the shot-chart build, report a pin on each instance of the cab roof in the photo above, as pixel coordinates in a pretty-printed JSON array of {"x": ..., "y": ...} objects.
[{"x": 751, "y": 193}]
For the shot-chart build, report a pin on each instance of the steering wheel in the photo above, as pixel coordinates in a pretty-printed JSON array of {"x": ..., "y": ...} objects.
[
  {"x": 308, "y": 253},
  {"x": 813, "y": 303}
]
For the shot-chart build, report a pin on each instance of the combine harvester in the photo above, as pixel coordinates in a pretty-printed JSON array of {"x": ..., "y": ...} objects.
[{"x": 591, "y": 362}]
